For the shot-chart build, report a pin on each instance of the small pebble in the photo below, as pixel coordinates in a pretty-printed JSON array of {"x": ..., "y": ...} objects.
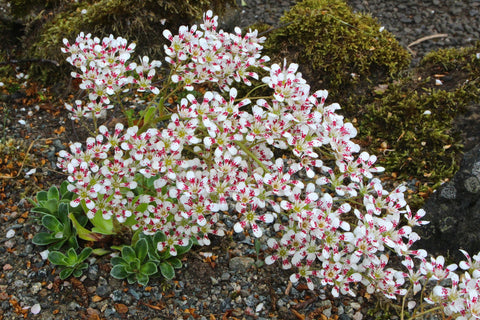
[{"x": 10, "y": 234}]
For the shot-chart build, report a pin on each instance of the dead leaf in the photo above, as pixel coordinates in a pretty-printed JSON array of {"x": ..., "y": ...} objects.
[{"x": 121, "y": 308}]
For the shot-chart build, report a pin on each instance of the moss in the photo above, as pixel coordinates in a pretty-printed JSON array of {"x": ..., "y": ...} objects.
[
  {"x": 454, "y": 59},
  {"x": 336, "y": 47},
  {"x": 409, "y": 121}
]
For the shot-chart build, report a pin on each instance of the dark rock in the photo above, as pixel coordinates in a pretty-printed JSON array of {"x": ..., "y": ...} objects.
[
  {"x": 454, "y": 212},
  {"x": 102, "y": 291}
]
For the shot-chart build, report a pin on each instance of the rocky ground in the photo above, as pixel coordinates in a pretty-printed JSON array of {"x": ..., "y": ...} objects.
[{"x": 226, "y": 285}]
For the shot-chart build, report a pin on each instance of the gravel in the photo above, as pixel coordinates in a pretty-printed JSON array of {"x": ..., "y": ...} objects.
[{"x": 230, "y": 285}]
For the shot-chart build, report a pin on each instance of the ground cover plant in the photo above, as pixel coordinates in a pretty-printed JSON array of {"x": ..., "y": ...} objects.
[{"x": 191, "y": 152}]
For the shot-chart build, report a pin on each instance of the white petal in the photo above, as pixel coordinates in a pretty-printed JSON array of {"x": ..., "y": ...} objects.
[{"x": 238, "y": 227}]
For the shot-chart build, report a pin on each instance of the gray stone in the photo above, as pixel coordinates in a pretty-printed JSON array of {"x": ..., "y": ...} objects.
[
  {"x": 448, "y": 191},
  {"x": 454, "y": 212},
  {"x": 102, "y": 291},
  {"x": 240, "y": 264}
]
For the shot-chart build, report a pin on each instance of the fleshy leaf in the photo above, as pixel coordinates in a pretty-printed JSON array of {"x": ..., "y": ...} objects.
[
  {"x": 53, "y": 193},
  {"x": 51, "y": 223},
  {"x": 143, "y": 279},
  {"x": 148, "y": 268},
  {"x": 119, "y": 272},
  {"x": 82, "y": 232},
  {"x": 57, "y": 258},
  {"x": 141, "y": 249},
  {"x": 43, "y": 239},
  {"x": 42, "y": 196},
  {"x": 167, "y": 270},
  {"x": 128, "y": 254},
  {"x": 65, "y": 273},
  {"x": 175, "y": 262},
  {"x": 85, "y": 253}
]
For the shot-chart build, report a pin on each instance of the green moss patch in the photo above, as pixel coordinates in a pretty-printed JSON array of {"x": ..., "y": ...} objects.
[{"x": 335, "y": 47}]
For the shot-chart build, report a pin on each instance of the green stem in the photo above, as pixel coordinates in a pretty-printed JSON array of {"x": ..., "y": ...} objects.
[
  {"x": 254, "y": 98},
  {"x": 403, "y": 304},
  {"x": 426, "y": 312},
  {"x": 249, "y": 153},
  {"x": 95, "y": 123},
  {"x": 257, "y": 87}
]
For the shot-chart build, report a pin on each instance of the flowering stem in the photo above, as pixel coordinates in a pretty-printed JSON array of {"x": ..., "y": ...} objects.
[
  {"x": 95, "y": 122},
  {"x": 257, "y": 98},
  {"x": 425, "y": 312},
  {"x": 403, "y": 304},
  {"x": 248, "y": 152},
  {"x": 257, "y": 87}
]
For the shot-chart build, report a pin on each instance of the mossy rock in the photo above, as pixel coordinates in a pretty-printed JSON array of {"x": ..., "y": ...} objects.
[
  {"x": 335, "y": 47},
  {"x": 141, "y": 22},
  {"x": 410, "y": 121}
]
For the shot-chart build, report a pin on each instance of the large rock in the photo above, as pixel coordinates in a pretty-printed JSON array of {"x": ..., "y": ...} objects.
[{"x": 454, "y": 212}]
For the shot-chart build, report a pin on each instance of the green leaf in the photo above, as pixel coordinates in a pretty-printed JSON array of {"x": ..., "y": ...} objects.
[
  {"x": 138, "y": 234},
  {"x": 84, "y": 254},
  {"x": 184, "y": 249},
  {"x": 141, "y": 249},
  {"x": 58, "y": 258},
  {"x": 128, "y": 254},
  {"x": 77, "y": 273},
  {"x": 103, "y": 230},
  {"x": 58, "y": 245},
  {"x": 42, "y": 196},
  {"x": 117, "y": 260},
  {"x": 149, "y": 114},
  {"x": 52, "y": 223},
  {"x": 175, "y": 262},
  {"x": 148, "y": 268},
  {"x": 41, "y": 210},
  {"x": 167, "y": 270},
  {"x": 52, "y": 205},
  {"x": 119, "y": 248},
  {"x": 132, "y": 278},
  {"x": 82, "y": 266},
  {"x": 143, "y": 279},
  {"x": 63, "y": 212},
  {"x": 134, "y": 265},
  {"x": 82, "y": 232},
  {"x": 64, "y": 188},
  {"x": 53, "y": 193},
  {"x": 32, "y": 202},
  {"x": 159, "y": 237},
  {"x": 71, "y": 257},
  {"x": 101, "y": 225},
  {"x": 65, "y": 273},
  {"x": 141, "y": 207},
  {"x": 72, "y": 241},
  {"x": 119, "y": 272},
  {"x": 43, "y": 239},
  {"x": 100, "y": 251}
]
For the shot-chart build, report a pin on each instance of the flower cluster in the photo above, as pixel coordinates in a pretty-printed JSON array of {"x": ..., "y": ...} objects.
[
  {"x": 215, "y": 161},
  {"x": 104, "y": 72},
  {"x": 205, "y": 55}
]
